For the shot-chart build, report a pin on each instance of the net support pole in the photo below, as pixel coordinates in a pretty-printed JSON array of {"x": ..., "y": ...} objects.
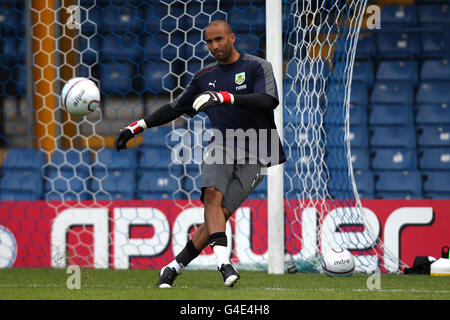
[{"x": 275, "y": 194}]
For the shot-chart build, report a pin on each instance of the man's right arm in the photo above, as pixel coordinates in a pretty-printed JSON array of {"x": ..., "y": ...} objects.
[{"x": 163, "y": 115}]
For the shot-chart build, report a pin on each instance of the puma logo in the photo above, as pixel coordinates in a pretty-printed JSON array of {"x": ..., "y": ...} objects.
[{"x": 213, "y": 84}]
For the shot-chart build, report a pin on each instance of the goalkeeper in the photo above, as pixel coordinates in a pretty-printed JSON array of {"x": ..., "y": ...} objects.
[{"x": 237, "y": 92}]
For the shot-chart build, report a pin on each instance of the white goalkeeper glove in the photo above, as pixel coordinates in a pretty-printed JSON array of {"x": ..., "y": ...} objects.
[{"x": 212, "y": 98}]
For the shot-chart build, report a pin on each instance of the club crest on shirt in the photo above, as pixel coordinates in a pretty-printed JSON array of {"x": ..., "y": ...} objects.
[{"x": 239, "y": 78}]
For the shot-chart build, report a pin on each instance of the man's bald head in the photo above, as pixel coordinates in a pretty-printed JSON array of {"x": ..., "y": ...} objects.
[{"x": 222, "y": 23}]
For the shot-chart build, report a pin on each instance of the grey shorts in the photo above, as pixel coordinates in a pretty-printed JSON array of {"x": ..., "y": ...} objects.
[{"x": 235, "y": 178}]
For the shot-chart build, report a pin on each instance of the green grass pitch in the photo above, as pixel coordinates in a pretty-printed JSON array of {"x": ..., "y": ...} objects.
[{"x": 51, "y": 284}]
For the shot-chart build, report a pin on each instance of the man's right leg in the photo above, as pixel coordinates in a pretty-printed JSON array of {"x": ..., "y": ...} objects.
[{"x": 192, "y": 249}]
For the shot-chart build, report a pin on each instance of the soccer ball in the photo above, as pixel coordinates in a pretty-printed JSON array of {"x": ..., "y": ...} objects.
[
  {"x": 80, "y": 96},
  {"x": 338, "y": 262}
]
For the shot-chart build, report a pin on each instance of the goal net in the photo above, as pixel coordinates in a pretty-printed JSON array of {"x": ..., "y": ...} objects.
[
  {"x": 323, "y": 208},
  {"x": 67, "y": 197}
]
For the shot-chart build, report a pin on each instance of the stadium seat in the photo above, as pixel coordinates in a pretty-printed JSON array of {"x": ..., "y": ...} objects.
[
  {"x": 432, "y": 45},
  {"x": 24, "y": 159},
  {"x": 435, "y": 70},
  {"x": 156, "y": 158},
  {"x": 363, "y": 71},
  {"x": 153, "y": 43},
  {"x": 360, "y": 158},
  {"x": 116, "y": 182},
  {"x": 398, "y": 16},
  {"x": 436, "y": 184},
  {"x": 358, "y": 114},
  {"x": 250, "y": 19},
  {"x": 384, "y": 114},
  {"x": 154, "y": 13},
  {"x": 365, "y": 185},
  {"x": 117, "y": 78},
  {"x": 122, "y": 19},
  {"x": 434, "y": 136},
  {"x": 393, "y": 159},
  {"x": 157, "y": 77},
  {"x": 18, "y": 196},
  {"x": 398, "y": 45},
  {"x": 433, "y": 113},
  {"x": 358, "y": 136},
  {"x": 393, "y": 136},
  {"x": 248, "y": 43},
  {"x": 433, "y": 15},
  {"x": 434, "y": 158},
  {"x": 435, "y": 92},
  {"x": 398, "y": 70},
  {"x": 108, "y": 160},
  {"x": 392, "y": 92},
  {"x": 124, "y": 48},
  {"x": 402, "y": 181},
  {"x": 22, "y": 181},
  {"x": 68, "y": 159},
  {"x": 367, "y": 47},
  {"x": 159, "y": 137},
  {"x": 158, "y": 182}
]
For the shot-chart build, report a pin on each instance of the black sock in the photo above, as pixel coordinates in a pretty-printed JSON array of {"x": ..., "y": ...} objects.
[
  {"x": 188, "y": 254},
  {"x": 218, "y": 238}
]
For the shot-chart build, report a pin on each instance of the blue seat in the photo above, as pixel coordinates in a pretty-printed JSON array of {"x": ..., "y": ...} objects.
[
  {"x": 107, "y": 160},
  {"x": 358, "y": 136},
  {"x": 367, "y": 47},
  {"x": 434, "y": 136},
  {"x": 121, "y": 48},
  {"x": 365, "y": 185},
  {"x": 402, "y": 181},
  {"x": 122, "y": 19},
  {"x": 392, "y": 92},
  {"x": 18, "y": 196},
  {"x": 363, "y": 71},
  {"x": 117, "y": 182},
  {"x": 398, "y": 70},
  {"x": 155, "y": 158},
  {"x": 24, "y": 159},
  {"x": 435, "y": 70},
  {"x": 433, "y": 15},
  {"x": 66, "y": 181},
  {"x": 154, "y": 42},
  {"x": 251, "y": 19},
  {"x": 157, "y": 77},
  {"x": 154, "y": 13},
  {"x": 398, "y": 16},
  {"x": 434, "y": 158},
  {"x": 249, "y": 43},
  {"x": 433, "y": 114},
  {"x": 437, "y": 182},
  {"x": 432, "y": 45},
  {"x": 158, "y": 181},
  {"x": 160, "y": 137},
  {"x": 360, "y": 158},
  {"x": 117, "y": 78},
  {"x": 358, "y": 114},
  {"x": 398, "y": 45},
  {"x": 435, "y": 92},
  {"x": 11, "y": 21},
  {"x": 384, "y": 114},
  {"x": 398, "y": 195},
  {"x": 90, "y": 50},
  {"x": 22, "y": 181},
  {"x": 393, "y": 136},
  {"x": 393, "y": 159},
  {"x": 70, "y": 159}
]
